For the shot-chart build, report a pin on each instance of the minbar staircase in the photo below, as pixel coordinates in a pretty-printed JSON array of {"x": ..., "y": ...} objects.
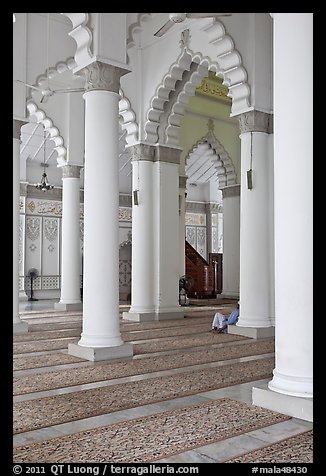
[{"x": 207, "y": 276}]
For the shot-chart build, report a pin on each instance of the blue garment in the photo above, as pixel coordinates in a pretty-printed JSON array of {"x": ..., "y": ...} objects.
[{"x": 232, "y": 319}]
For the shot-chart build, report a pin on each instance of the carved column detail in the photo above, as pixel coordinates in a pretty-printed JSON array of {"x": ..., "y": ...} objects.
[
  {"x": 71, "y": 171},
  {"x": 256, "y": 121},
  {"x": 102, "y": 76}
]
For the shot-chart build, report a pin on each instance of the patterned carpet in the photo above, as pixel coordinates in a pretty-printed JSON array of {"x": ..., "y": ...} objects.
[
  {"x": 296, "y": 449},
  {"x": 150, "y": 438},
  {"x": 26, "y": 362},
  {"x": 154, "y": 346},
  {"x": 52, "y": 410},
  {"x": 126, "y": 335},
  {"x": 112, "y": 370}
]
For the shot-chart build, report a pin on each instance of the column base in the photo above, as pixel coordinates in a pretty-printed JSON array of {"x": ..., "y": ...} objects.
[
  {"x": 228, "y": 295},
  {"x": 253, "y": 332},
  {"x": 95, "y": 354},
  {"x": 297, "y": 407},
  {"x": 23, "y": 296},
  {"x": 20, "y": 327},
  {"x": 61, "y": 306},
  {"x": 153, "y": 316}
]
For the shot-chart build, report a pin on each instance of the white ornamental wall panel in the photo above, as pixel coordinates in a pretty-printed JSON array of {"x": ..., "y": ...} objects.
[
  {"x": 21, "y": 247},
  {"x": 220, "y": 233},
  {"x": 33, "y": 248},
  {"x": 50, "y": 247},
  {"x": 214, "y": 244},
  {"x": 191, "y": 235},
  {"x": 201, "y": 241}
]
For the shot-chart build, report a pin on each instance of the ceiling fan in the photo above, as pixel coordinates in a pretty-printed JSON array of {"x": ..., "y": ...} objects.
[
  {"x": 46, "y": 91},
  {"x": 180, "y": 17}
]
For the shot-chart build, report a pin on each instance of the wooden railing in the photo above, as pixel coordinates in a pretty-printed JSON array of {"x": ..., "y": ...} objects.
[{"x": 207, "y": 276}]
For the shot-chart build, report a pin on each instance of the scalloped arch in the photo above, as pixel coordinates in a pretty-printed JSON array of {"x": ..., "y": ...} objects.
[
  {"x": 83, "y": 37},
  {"x": 41, "y": 117},
  {"x": 128, "y": 120},
  {"x": 228, "y": 65},
  {"x": 222, "y": 163},
  {"x": 137, "y": 27},
  {"x": 58, "y": 68}
]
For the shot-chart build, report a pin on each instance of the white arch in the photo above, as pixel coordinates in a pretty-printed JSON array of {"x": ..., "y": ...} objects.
[
  {"x": 41, "y": 118},
  {"x": 179, "y": 84},
  {"x": 220, "y": 160},
  {"x": 128, "y": 120}
]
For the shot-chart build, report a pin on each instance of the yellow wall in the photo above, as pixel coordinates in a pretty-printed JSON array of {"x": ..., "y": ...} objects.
[{"x": 194, "y": 127}]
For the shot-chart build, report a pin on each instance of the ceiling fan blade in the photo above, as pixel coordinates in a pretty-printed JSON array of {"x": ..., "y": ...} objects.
[
  {"x": 77, "y": 90},
  {"x": 44, "y": 98},
  {"x": 207, "y": 15},
  {"x": 28, "y": 85},
  {"x": 169, "y": 24}
]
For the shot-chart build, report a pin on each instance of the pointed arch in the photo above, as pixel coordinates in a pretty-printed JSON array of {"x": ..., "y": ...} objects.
[
  {"x": 215, "y": 155},
  {"x": 184, "y": 76}
]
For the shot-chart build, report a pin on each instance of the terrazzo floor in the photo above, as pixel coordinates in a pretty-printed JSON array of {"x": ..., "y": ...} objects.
[{"x": 245, "y": 445}]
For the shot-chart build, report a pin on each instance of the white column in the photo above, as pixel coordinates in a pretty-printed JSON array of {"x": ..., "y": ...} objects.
[
  {"x": 70, "y": 254},
  {"x": 166, "y": 232},
  {"x": 293, "y": 141},
  {"x": 142, "y": 269},
  {"x": 155, "y": 234},
  {"x": 19, "y": 326},
  {"x": 255, "y": 240},
  {"x": 101, "y": 337},
  {"x": 231, "y": 241},
  {"x": 291, "y": 388},
  {"x": 182, "y": 223}
]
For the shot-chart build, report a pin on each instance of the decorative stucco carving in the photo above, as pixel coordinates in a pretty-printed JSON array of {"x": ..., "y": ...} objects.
[
  {"x": 102, "y": 76},
  {"x": 125, "y": 214},
  {"x": 256, "y": 121},
  {"x": 44, "y": 207},
  {"x": 33, "y": 226},
  {"x": 214, "y": 208},
  {"x": 71, "y": 171},
  {"x": 50, "y": 229},
  {"x": 142, "y": 152}
]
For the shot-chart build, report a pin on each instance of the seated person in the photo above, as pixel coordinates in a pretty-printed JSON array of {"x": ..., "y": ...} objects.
[{"x": 220, "y": 322}]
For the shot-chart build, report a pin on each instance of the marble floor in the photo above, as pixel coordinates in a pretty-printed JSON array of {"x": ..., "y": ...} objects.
[{"x": 211, "y": 453}]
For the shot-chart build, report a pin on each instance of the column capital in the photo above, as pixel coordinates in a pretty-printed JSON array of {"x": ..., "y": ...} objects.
[
  {"x": 142, "y": 152},
  {"x": 231, "y": 191},
  {"x": 102, "y": 76},
  {"x": 71, "y": 171},
  {"x": 256, "y": 121},
  {"x": 155, "y": 153},
  {"x": 16, "y": 128},
  {"x": 167, "y": 154}
]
